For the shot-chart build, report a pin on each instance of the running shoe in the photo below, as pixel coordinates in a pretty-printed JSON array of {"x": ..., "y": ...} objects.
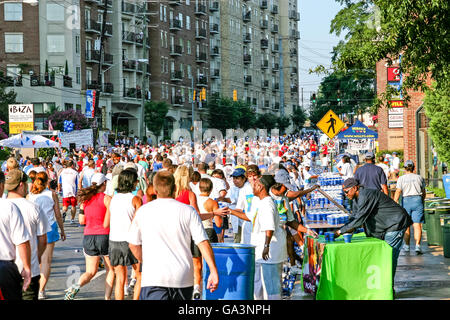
[
  {"x": 41, "y": 295},
  {"x": 418, "y": 250},
  {"x": 406, "y": 247},
  {"x": 197, "y": 293},
  {"x": 132, "y": 283},
  {"x": 64, "y": 217},
  {"x": 125, "y": 291},
  {"x": 71, "y": 292}
]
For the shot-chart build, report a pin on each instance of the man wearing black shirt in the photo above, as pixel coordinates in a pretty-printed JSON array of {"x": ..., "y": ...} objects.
[
  {"x": 380, "y": 216},
  {"x": 371, "y": 176}
]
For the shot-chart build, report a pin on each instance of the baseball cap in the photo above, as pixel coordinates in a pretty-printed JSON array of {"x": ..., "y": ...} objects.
[
  {"x": 395, "y": 153},
  {"x": 282, "y": 176},
  {"x": 350, "y": 182},
  {"x": 12, "y": 163},
  {"x": 14, "y": 178},
  {"x": 98, "y": 178},
  {"x": 369, "y": 155},
  {"x": 408, "y": 163},
  {"x": 130, "y": 165},
  {"x": 238, "y": 172}
]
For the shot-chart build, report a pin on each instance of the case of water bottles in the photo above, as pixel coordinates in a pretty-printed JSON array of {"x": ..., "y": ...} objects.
[{"x": 320, "y": 209}]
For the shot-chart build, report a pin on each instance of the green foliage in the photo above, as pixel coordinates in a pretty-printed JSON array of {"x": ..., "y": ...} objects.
[
  {"x": 5, "y": 153},
  {"x": 344, "y": 92},
  {"x": 384, "y": 29},
  {"x": 438, "y": 192},
  {"x": 298, "y": 118},
  {"x": 5, "y": 99},
  {"x": 437, "y": 109},
  {"x": 45, "y": 152},
  {"x": 155, "y": 114},
  {"x": 267, "y": 121},
  {"x": 283, "y": 123}
]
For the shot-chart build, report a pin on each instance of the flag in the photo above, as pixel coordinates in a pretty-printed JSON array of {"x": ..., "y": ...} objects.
[
  {"x": 2, "y": 122},
  {"x": 50, "y": 127},
  {"x": 33, "y": 142}
]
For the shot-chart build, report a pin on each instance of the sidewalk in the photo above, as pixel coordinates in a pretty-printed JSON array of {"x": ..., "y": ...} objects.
[{"x": 418, "y": 277}]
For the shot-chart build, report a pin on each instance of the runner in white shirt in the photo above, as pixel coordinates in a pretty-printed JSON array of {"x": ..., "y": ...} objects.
[
  {"x": 161, "y": 234},
  {"x": 68, "y": 183}
]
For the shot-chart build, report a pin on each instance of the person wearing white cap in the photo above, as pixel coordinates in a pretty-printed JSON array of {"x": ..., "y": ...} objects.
[
  {"x": 307, "y": 176},
  {"x": 95, "y": 203}
]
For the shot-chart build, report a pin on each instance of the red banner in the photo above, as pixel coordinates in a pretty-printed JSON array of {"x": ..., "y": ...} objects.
[
  {"x": 396, "y": 104},
  {"x": 393, "y": 74}
]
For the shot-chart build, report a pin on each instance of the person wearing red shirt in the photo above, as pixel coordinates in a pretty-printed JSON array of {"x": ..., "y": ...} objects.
[{"x": 99, "y": 163}]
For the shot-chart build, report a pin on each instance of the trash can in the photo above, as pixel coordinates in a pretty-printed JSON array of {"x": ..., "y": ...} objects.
[
  {"x": 434, "y": 231},
  {"x": 445, "y": 224},
  {"x": 446, "y": 180},
  {"x": 236, "y": 267}
]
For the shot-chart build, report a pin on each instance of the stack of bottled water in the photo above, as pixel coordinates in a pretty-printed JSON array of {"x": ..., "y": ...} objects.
[{"x": 319, "y": 208}]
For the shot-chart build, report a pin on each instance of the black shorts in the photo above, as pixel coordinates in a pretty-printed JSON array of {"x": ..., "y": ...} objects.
[
  {"x": 162, "y": 293},
  {"x": 120, "y": 254},
  {"x": 96, "y": 245},
  {"x": 212, "y": 236},
  {"x": 32, "y": 293},
  {"x": 10, "y": 281},
  {"x": 225, "y": 224}
]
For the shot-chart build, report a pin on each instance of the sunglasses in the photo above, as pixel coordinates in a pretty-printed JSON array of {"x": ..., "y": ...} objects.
[{"x": 346, "y": 191}]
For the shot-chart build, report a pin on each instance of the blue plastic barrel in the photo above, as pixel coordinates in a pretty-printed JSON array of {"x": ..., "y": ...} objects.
[
  {"x": 236, "y": 267},
  {"x": 446, "y": 180}
]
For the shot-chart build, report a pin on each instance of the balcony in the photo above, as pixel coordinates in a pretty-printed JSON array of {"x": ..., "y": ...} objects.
[
  {"x": 200, "y": 34},
  {"x": 215, "y": 51},
  {"x": 176, "y": 76},
  {"x": 67, "y": 81},
  {"x": 176, "y": 50},
  {"x": 263, "y": 4},
  {"x": 247, "y": 37},
  {"x": 275, "y": 67},
  {"x": 294, "y": 34},
  {"x": 108, "y": 59},
  {"x": 294, "y": 89},
  {"x": 92, "y": 1},
  {"x": 275, "y": 86},
  {"x": 294, "y": 15},
  {"x": 139, "y": 39},
  {"x": 108, "y": 29},
  {"x": 293, "y": 51},
  {"x": 177, "y": 101},
  {"x": 92, "y": 26},
  {"x": 92, "y": 56},
  {"x": 276, "y": 106},
  {"x": 214, "y": 28},
  {"x": 247, "y": 79},
  {"x": 274, "y": 28},
  {"x": 174, "y": 2},
  {"x": 215, "y": 73},
  {"x": 266, "y": 105},
  {"x": 264, "y": 24},
  {"x": 247, "y": 17},
  {"x": 264, "y": 84},
  {"x": 148, "y": 70},
  {"x": 129, "y": 65},
  {"x": 101, "y": 3},
  {"x": 294, "y": 70},
  {"x": 132, "y": 93},
  {"x": 128, "y": 37},
  {"x": 264, "y": 64},
  {"x": 202, "y": 82},
  {"x": 264, "y": 43},
  {"x": 214, "y": 6},
  {"x": 275, "y": 47},
  {"x": 247, "y": 58},
  {"x": 47, "y": 80},
  {"x": 200, "y": 9},
  {"x": 201, "y": 57},
  {"x": 274, "y": 9},
  {"x": 175, "y": 25},
  {"x": 108, "y": 88},
  {"x": 128, "y": 8}
]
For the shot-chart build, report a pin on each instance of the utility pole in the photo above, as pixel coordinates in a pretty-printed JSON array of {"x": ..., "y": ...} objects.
[{"x": 144, "y": 77}]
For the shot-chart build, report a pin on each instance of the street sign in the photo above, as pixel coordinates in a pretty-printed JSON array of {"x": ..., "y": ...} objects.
[
  {"x": 331, "y": 144},
  {"x": 41, "y": 132},
  {"x": 21, "y": 117},
  {"x": 330, "y": 124}
]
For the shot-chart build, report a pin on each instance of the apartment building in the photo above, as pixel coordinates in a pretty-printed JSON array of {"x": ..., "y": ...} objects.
[
  {"x": 180, "y": 59},
  {"x": 40, "y": 55}
]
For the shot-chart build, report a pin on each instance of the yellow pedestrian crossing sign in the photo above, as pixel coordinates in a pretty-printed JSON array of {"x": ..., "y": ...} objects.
[{"x": 330, "y": 124}]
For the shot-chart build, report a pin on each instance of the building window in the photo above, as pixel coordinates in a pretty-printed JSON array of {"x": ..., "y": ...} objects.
[
  {"x": 188, "y": 45},
  {"x": 188, "y": 22},
  {"x": 55, "y": 12},
  {"x": 13, "y": 42},
  {"x": 77, "y": 44},
  {"x": 13, "y": 11},
  {"x": 78, "y": 75},
  {"x": 55, "y": 43}
]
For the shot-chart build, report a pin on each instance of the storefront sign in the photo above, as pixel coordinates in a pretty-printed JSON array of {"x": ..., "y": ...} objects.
[
  {"x": 21, "y": 117},
  {"x": 396, "y": 104},
  {"x": 393, "y": 74}
]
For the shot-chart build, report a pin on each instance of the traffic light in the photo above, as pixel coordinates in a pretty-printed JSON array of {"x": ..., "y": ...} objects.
[
  {"x": 203, "y": 94},
  {"x": 235, "y": 95},
  {"x": 313, "y": 98},
  {"x": 194, "y": 95},
  {"x": 338, "y": 95}
]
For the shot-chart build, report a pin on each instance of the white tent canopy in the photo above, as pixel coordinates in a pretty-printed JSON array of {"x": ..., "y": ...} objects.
[{"x": 28, "y": 141}]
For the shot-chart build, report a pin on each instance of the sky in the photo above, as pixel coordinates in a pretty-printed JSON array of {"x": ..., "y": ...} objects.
[{"x": 316, "y": 42}]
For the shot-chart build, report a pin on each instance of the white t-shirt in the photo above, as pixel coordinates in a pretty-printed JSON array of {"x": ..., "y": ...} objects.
[
  {"x": 45, "y": 202},
  {"x": 385, "y": 168},
  {"x": 396, "y": 163},
  {"x": 245, "y": 203},
  {"x": 122, "y": 212},
  {"x": 37, "y": 225},
  {"x": 87, "y": 176},
  {"x": 347, "y": 171},
  {"x": 68, "y": 178},
  {"x": 13, "y": 231},
  {"x": 164, "y": 228},
  {"x": 218, "y": 185},
  {"x": 265, "y": 217}
]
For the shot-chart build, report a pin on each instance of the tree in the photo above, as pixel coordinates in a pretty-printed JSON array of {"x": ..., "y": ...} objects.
[
  {"x": 79, "y": 120},
  {"x": 155, "y": 114},
  {"x": 384, "y": 29},
  {"x": 283, "y": 123},
  {"x": 6, "y": 98},
  {"x": 437, "y": 108},
  {"x": 298, "y": 118},
  {"x": 344, "y": 92},
  {"x": 247, "y": 118},
  {"x": 267, "y": 121}
]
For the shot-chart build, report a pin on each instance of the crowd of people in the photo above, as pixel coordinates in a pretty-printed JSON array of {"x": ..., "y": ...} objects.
[{"x": 155, "y": 210}]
